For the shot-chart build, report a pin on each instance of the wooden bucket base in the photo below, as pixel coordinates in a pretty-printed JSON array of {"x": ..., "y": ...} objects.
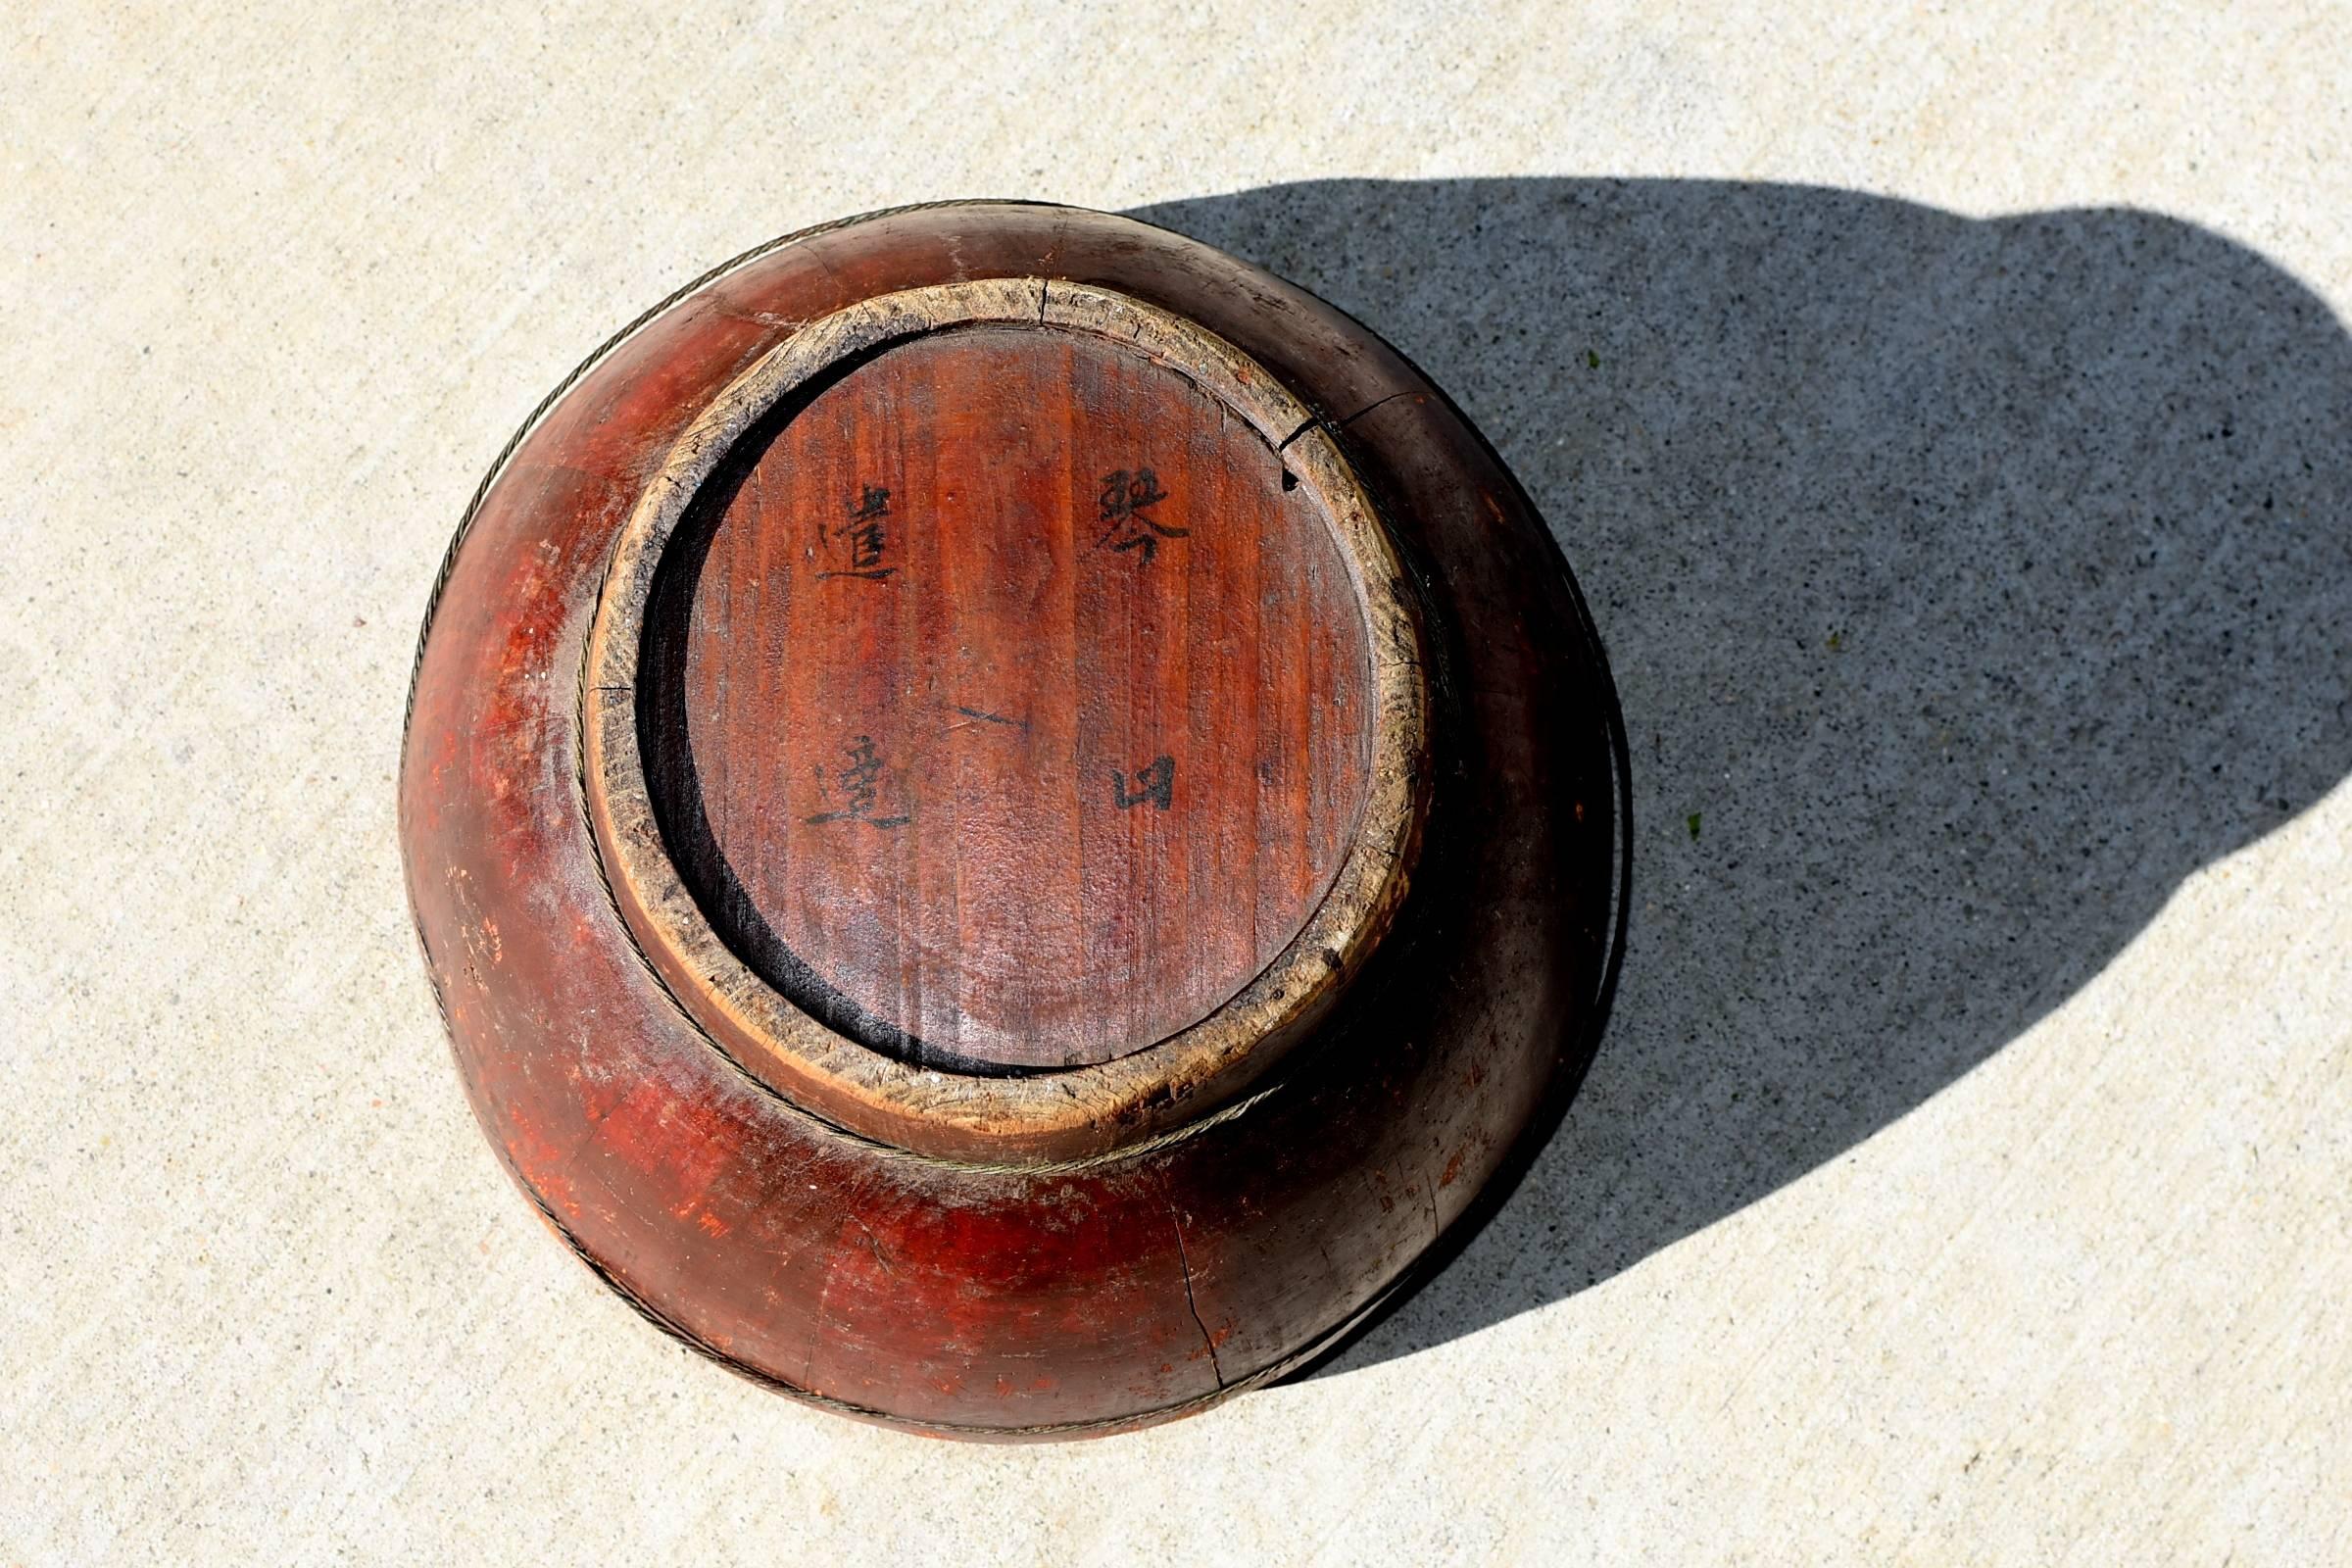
[{"x": 1011, "y": 817}]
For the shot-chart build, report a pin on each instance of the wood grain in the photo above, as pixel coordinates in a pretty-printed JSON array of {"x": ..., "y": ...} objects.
[{"x": 1016, "y": 701}]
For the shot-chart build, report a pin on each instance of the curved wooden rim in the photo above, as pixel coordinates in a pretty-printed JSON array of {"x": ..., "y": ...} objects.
[{"x": 1146, "y": 1094}]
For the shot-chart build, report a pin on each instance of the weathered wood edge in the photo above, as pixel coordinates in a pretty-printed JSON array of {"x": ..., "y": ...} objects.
[{"x": 1080, "y": 1113}]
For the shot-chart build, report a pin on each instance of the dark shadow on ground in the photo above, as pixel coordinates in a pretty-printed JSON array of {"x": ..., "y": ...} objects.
[{"x": 1968, "y": 584}]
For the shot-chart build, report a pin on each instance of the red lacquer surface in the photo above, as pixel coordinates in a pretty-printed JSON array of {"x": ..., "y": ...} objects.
[{"x": 963, "y": 1297}]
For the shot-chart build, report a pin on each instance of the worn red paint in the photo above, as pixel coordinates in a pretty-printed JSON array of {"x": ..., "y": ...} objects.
[{"x": 964, "y": 1298}]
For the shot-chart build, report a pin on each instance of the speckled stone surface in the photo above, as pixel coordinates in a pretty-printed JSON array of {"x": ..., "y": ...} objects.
[{"x": 1951, "y": 417}]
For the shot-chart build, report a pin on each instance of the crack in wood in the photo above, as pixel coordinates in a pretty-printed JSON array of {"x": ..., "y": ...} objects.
[{"x": 1208, "y": 1341}]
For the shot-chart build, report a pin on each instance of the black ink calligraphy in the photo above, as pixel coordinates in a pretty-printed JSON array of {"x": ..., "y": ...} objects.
[
  {"x": 859, "y": 784},
  {"x": 864, "y": 533},
  {"x": 1155, "y": 782},
  {"x": 1126, "y": 498}
]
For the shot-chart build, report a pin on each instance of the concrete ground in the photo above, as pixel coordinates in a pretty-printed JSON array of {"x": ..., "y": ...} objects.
[{"x": 1950, "y": 413}]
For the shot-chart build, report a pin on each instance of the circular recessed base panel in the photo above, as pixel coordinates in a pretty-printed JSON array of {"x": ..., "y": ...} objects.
[
  {"x": 998, "y": 680},
  {"x": 1013, "y": 701}
]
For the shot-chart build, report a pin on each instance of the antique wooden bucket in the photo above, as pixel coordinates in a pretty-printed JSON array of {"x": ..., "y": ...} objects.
[{"x": 1012, "y": 817}]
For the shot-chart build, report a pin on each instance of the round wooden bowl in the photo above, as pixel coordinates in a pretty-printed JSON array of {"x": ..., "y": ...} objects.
[{"x": 1012, "y": 817}]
